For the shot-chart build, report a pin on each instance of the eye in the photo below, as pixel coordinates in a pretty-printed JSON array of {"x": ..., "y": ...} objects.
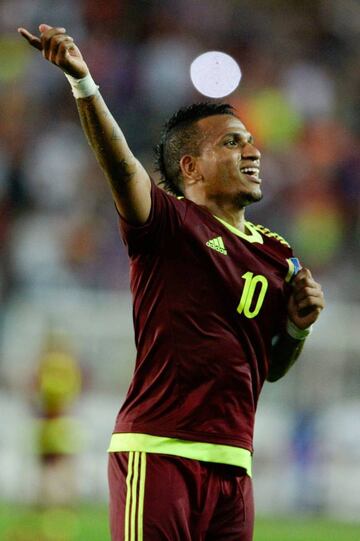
[{"x": 231, "y": 143}]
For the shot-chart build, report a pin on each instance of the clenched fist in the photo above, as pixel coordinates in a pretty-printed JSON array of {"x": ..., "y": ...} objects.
[
  {"x": 58, "y": 48},
  {"x": 306, "y": 300}
]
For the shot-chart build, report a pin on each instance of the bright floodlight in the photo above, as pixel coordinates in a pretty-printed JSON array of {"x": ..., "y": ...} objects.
[{"x": 215, "y": 74}]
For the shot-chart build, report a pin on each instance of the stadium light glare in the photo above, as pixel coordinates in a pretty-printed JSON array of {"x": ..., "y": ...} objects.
[{"x": 215, "y": 74}]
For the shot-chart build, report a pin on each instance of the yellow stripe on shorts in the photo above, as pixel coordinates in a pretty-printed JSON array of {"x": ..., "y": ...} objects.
[{"x": 135, "y": 492}]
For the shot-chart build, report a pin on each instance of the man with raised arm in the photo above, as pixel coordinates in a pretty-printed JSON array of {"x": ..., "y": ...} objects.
[{"x": 220, "y": 306}]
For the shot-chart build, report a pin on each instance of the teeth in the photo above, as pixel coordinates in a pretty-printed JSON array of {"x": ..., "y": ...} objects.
[{"x": 250, "y": 170}]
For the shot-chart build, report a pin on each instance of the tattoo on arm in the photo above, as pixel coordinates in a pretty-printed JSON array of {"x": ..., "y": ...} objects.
[
  {"x": 123, "y": 172},
  {"x": 107, "y": 141}
]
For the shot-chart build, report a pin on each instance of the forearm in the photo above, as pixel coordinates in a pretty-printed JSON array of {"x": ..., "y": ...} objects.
[
  {"x": 107, "y": 142},
  {"x": 285, "y": 351},
  {"x": 128, "y": 180},
  {"x": 305, "y": 304}
]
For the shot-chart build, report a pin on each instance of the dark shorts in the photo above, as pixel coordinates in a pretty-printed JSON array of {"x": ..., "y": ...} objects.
[{"x": 167, "y": 498}]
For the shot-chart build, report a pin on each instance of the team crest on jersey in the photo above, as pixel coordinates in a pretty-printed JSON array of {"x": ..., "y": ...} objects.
[{"x": 217, "y": 244}]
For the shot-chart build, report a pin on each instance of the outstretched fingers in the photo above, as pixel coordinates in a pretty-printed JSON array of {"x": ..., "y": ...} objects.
[
  {"x": 58, "y": 48},
  {"x": 33, "y": 40},
  {"x": 45, "y": 41}
]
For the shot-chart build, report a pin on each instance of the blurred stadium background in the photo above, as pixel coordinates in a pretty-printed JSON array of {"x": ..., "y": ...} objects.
[{"x": 63, "y": 269}]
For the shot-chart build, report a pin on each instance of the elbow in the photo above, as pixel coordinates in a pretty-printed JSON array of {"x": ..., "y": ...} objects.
[{"x": 272, "y": 376}]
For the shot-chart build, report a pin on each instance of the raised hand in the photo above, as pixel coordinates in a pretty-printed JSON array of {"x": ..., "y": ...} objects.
[
  {"x": 58, "y": 48},
  {"x": 306, "y": 300}
]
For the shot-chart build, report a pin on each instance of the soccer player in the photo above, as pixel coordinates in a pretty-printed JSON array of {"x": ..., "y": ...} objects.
[{"x": 220, "y": 306}]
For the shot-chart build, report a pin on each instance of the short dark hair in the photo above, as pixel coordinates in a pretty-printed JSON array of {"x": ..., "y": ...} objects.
[{"x": 180, "y": 136}]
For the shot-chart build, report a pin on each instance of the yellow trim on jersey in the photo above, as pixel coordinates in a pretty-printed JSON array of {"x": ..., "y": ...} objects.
[
  {"x": 196, "y": 450},
  {"x": 253, "y": 237},
  {"x": 135, "y": 490},
  {"x": 271, "y": 234}
]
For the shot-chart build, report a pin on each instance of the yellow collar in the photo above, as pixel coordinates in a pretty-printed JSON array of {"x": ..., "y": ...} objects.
[{"x": 254, "y": 235}]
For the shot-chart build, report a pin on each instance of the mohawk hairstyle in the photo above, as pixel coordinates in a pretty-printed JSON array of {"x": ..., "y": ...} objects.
[{"x": 180, "y": 136}]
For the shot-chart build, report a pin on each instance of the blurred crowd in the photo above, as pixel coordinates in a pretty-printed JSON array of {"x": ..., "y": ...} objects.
[{"x": 299, "y": 96}]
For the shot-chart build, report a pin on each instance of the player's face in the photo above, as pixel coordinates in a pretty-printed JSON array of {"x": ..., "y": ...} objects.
[{"x": 229, "y": 162}]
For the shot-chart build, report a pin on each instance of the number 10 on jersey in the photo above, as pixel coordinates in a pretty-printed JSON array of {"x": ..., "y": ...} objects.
[{"x": 253, "y": 294}]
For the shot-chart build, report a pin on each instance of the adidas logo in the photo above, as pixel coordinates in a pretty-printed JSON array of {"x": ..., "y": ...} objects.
[{"x": 217, "y": 244}]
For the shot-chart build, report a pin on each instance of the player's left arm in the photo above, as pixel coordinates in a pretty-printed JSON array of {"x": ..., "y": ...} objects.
[{"x": 305, "y": 304}]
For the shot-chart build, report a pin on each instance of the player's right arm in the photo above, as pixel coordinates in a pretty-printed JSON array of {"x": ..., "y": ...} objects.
[{"x": 129, "y": 182}]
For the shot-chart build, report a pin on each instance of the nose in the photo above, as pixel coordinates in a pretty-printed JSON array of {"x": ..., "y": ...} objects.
[{"x": 250, "y": 152}]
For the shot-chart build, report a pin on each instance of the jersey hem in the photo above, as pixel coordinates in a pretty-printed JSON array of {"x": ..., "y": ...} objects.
[
  {"x": 195, "y": 450},
  {"x": 203, "y": 437}
]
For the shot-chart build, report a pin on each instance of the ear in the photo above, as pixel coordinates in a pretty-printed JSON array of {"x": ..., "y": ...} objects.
[{"x": 189, "y": 169}]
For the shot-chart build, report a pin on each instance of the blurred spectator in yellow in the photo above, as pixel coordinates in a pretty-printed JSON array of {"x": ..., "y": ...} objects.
[{"x": 57, "y": 386}]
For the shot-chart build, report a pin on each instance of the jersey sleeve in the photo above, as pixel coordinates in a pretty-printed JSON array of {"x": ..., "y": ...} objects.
[{"x": 166, "y": 218}]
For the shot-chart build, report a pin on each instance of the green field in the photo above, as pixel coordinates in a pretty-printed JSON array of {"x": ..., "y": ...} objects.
[{"x": 90, "y": 524}]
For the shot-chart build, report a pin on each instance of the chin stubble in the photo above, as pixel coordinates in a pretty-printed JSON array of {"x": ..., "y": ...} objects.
[{"x": 249, "y": 198}]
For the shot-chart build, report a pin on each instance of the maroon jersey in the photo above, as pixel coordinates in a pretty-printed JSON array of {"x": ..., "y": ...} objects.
[{"x": 208, "y": 301}]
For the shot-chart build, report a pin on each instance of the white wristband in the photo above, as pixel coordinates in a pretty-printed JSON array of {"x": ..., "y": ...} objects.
[
  {"x": 296, "y": 333},
  {"x": 82, "y": 88}
]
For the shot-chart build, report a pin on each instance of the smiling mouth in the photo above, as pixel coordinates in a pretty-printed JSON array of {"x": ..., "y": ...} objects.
[{"x": 252, "y": 173}]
